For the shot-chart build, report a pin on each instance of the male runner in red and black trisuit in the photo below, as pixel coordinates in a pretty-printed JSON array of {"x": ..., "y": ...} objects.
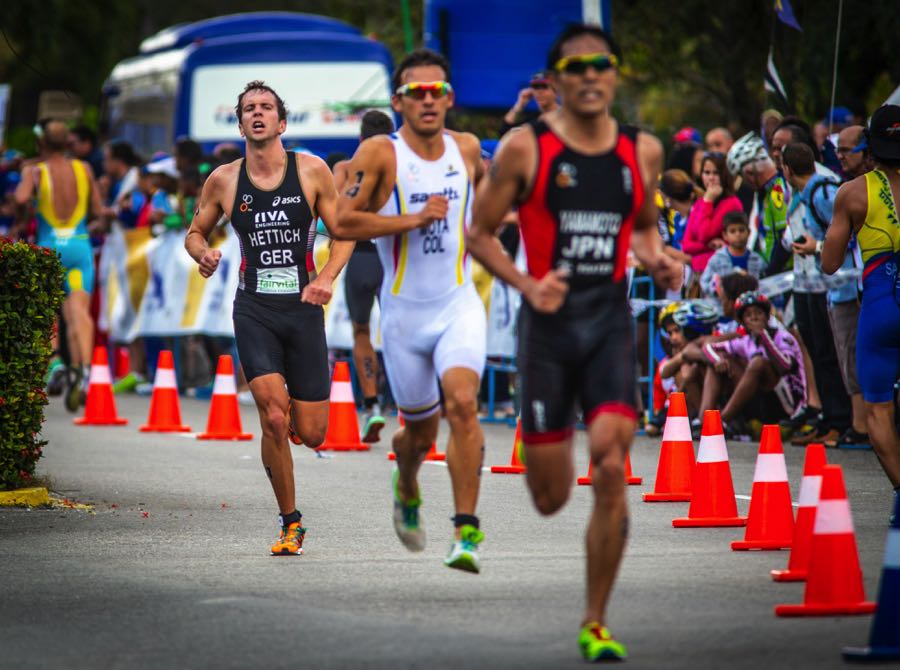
[
  {"x": 272, "y": 199},
  {"x": 584, "y": 186}
]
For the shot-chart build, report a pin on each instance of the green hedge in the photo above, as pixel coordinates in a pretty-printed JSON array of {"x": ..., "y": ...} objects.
[{"x": 31, "y": 281}]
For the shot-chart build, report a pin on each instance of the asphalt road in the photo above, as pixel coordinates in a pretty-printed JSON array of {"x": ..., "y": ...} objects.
[{"x": 171, "y": 569}]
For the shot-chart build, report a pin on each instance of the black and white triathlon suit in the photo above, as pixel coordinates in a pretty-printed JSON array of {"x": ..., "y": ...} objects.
[
  {"x": 579, "y": 216},
  {"x": 275, "y": 332}
]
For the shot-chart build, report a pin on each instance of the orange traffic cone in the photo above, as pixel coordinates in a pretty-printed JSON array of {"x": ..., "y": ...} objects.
[
  {"x": 343, "y": 426},
  {"x": 676, "y": 457},
  {"x": 100, "y": 407},
  {"x": 712, "y": 502},
  {"x": 630, "y": 479},
  {"x": 432, "y": 455},
  {"x": 517, "y": 460},
  {"x": 123, "y": 366},
  {"x": 810, "y": 486},
  {"x": 165, "y": 412},
  {"x": 224, "y": 422},
  {"x": 770, "y": 522},
  {"x": 834, "y": 584}
]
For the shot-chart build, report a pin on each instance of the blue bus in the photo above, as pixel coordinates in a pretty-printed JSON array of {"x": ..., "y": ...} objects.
[{"x": 186, "y": 80}]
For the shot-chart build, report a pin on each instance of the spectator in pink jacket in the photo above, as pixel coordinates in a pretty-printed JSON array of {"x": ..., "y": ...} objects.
[{"x": 703, "y": 235}]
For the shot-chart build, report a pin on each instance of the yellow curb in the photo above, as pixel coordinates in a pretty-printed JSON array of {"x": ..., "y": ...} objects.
[{"x": 31, "y": 497}]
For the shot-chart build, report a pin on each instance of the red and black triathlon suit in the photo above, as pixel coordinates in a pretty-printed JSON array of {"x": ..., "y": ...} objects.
[
  {"x": 579, "y": 216},
  {"x": 275, "y": 332}
]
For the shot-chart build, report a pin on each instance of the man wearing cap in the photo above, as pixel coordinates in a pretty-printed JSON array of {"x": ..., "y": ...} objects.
[
  {"x": 540, "y": 88},
  {"x": 867, "y": 207}
]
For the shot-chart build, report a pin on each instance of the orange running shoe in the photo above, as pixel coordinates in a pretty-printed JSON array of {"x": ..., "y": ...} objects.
[{"x": 291, "y": 541}]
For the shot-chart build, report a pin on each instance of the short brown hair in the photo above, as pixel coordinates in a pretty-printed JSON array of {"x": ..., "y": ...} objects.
[
  {"x": 415, "y": 59},
  {"x": 734, "y": 218},
  {"x": 800, "y": 158},
  {"x": 257, "y": 85}
]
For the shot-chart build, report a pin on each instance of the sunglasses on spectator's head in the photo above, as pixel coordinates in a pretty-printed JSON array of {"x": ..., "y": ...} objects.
[
  {"x": 579, "y": 64},
  {"x": 417, "y": 90}
]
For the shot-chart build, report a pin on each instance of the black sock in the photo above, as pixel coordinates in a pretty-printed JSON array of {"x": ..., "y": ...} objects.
[
  {"x": 464, "y": 520},
  {"x": 287, "y": 519},
  {"x": 370, "y": 402}
]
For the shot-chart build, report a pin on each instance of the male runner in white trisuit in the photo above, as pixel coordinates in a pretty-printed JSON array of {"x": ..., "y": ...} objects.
[{"x": 412, "y": 191}]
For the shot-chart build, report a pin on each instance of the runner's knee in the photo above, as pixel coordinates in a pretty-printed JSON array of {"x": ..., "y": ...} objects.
[
  {"x": 274, "y": 424},
  {"x": 461, "y": 404}
]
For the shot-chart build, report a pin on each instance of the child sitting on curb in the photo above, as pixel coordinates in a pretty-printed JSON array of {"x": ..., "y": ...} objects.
[{"x": 767, "y": 359}]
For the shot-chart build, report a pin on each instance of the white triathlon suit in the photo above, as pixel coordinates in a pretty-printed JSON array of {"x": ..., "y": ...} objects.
[{"x": 432, "y": 319}]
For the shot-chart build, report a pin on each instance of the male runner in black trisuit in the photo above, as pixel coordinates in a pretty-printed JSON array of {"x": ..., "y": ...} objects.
[
  {"x": 272, "y": 199},
  {"x": 361, "y": 283},
  {"x": 584, "y": 185}
]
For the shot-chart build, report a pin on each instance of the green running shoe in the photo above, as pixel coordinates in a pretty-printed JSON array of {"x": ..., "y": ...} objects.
[
  {"x": 372, "y": 428},
  {"x": 128, "y": 383},
  {"x": 406, "y": 518},
  {"x": 597, "y": 644},
  {"x": 464, "y": 551}
]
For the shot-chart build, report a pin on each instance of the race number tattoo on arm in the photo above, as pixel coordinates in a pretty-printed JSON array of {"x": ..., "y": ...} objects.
[{"x": 353, "y": 190}]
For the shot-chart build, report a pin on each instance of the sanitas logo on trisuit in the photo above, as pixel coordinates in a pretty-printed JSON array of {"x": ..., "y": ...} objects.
[
  {"x": 449, "y": 192},
  {"x": 290, "y": 200}
]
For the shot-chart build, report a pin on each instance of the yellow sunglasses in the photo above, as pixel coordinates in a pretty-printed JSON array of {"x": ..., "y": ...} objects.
[{"x": 579, "y": 64}]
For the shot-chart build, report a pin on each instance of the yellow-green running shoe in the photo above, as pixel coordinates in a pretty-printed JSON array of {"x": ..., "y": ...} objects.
[
  {"x": 464, "y": 551},
  {"x": 407, "y": 523},
  {"x": 597, "y": 644}
]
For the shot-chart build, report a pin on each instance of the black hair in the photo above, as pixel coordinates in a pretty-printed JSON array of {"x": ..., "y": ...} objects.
[
  {"x": 375, "y": 122},
  {"x": 415, "y": 59},
  {"x": 734, "y": 217},
  {"x": 123, "y": 151},
  {"x": 334, "y": 158},
  {"x": 257, "y": 85},
  {"x": 736, "y": 283},
  {"x": 188, "y": 149},
  {"x": 800, "y": 131},
  {"x": 799, "y": 157},
  {"x": 574, "y": 30},
  {"x": 85, "y": 134}
]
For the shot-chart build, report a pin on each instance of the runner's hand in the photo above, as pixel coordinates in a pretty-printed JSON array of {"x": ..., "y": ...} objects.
[
  {"x": 434, "y": 210},
  {"x": 668, "y": 272},
  {"x": 548, "y": 294},
  {"x": 317, "y": 292},
  {"x": 209, "y": 262}
]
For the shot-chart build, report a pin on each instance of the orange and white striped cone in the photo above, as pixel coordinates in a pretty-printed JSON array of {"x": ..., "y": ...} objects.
[
  {"x": 432, "y": 455},
  {"x": 810, "y": 486},
  {"x": 676, "y": 456},
  {"x": 770, "y": 521},
  {"x": 712, "y": 502},
  {"x": 224, "y": 422},
  {"x": 100, "y": 407},
  {"x": 343, "y": 426},
  {"x": 834, "y": 581},
  {"x": 517, "y": 460},
  {"x": 165, "y": 411},
  {"x": 630, "y": 478}
]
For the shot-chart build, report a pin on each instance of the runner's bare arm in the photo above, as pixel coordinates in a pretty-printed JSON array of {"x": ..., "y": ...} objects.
[
  {"x": 25, "y": 190},
  {"x": 470, "y": 148},
  {"x": 645, "y": 240},
  {"x": 355, "y": 218},
  {"x": 319, "y": 290},
  {"x": 206, "y": 215},
  {"x": 340, "y": 174},
  {"x": 847, "y": 205},
  {"x": 497, "y": 194}
]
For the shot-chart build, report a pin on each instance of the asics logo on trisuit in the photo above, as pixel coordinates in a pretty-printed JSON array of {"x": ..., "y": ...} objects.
[{"x": 289, "y": 200}]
